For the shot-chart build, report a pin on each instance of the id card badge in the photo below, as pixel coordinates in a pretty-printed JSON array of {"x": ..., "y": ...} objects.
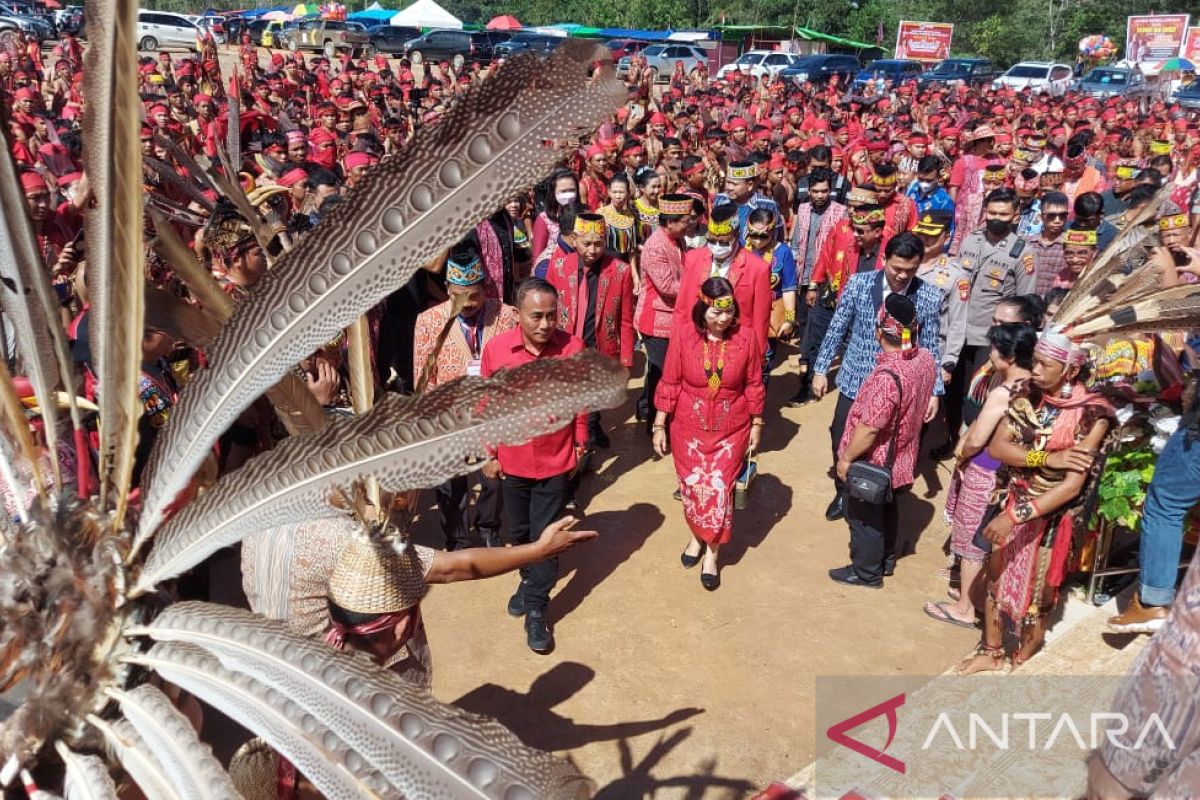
[{"x": 475, "y": 367}]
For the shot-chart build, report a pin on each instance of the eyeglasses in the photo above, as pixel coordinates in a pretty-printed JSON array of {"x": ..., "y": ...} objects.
[
  {"x": 758, "y": 234},
  {"x": 1055, "y": 215}
]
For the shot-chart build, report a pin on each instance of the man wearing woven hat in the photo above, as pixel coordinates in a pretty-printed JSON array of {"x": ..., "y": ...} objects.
[
  {"x": 1079, "y": 251},
  {"x": 595, "y": 301},
  {"x": 741, "y": 190},
  {"x": 661, "y": 265},
  {"x": 478, "y": 321},
  {"x": 537, "y": 474}
]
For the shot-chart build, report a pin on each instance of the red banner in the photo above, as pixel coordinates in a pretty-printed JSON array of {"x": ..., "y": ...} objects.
[
  {"x": 1191, "y": 45},
  {"x": 1152, "y": 39},
  {"x": 924, "y": 41}
]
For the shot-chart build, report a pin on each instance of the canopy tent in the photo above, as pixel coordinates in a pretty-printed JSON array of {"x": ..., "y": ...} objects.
[
  {"x": 789, "y": 32},
  {"x": 504, "y": 22},
  {"x": 426, "y": 14},
  {"x": 373, "y": 13}
]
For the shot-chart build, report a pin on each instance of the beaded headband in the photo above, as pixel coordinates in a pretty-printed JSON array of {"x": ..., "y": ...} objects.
[
  {"x": 1173, "y": 223},
  {"x": 720, "y": 228},
  {"x": 586, "y": 224},
  {"x": 723, "y": 303},
  {"x": 1080, "y": 238},
  {"x": 1061, "y": 349},
  {"x": 867, "y": 217},
  {"x": 883, "y": 182},
  {"x": 679, "y": 205},
  {"x": 742, "y": 172},
  {"x": 464, "y": 274},
  {"x": 1160, "y": 148}
]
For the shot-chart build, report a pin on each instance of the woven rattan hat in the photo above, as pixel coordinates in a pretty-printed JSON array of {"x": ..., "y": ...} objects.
[
  {"x": 371, "y": 577},
  {"x": 254, "y": 770}
]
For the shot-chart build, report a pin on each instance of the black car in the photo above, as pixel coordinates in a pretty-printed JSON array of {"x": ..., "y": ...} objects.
[
  {"x": 454, "y": 46},
  {"x": 1188, "y": 96},
  {"x": 973, "y": 72},
  {"x": 818, "y": 69},
  {"x": 523, "y": 42},
  {"x": 391, "y": 38}
]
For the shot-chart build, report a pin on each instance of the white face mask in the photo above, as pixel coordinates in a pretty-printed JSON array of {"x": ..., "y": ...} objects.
[
  {"x": 926, "y": 186},
  {"x": 565, "y": 198},
  {"x": 720, "y": 251},
  {"x": 699, "y": 240}
]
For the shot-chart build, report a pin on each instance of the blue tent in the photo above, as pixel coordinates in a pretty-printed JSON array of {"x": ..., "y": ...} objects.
[{"x": 372, "y": 15}]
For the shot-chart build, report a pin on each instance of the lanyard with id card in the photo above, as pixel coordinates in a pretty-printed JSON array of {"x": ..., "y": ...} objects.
[{"x": 473, "y": 334}]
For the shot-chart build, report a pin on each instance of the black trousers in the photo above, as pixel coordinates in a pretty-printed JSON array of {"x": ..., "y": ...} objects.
[
  {"x": 816, "y": 325},
  {"x": 872, "y": 537},
  {"x": 836, "y": 428},
  {"x": 531, "y": 504},
  {"x": 656, "y": 356},
  {"x": 453, "y": 498},
  {"x": 957, "y": 413}
]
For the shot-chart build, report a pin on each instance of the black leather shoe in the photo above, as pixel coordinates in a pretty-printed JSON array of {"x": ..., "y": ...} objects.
[
  {"x": 848, "y": 576},
  {"x": 836, "y": 508},
  {"x": 516, "y": 603},
  {"x": 537, "y": 633},
  {"x": 710, "y": 581},
  {"x": 889, "y": 569},
  {"x": 691, "y": 561},
  {"x": 800, "y": 399},
  {"x": 677, "y": 494}
]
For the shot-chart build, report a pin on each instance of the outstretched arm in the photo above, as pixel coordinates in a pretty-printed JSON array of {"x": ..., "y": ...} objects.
[{"x": 485, "y": 562}]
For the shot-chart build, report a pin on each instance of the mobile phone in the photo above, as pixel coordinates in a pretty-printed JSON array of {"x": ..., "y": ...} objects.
[{"x": 1181, "y": 258}]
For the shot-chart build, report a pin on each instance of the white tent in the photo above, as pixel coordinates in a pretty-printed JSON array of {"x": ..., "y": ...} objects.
[{"x": 426, "y": 14}]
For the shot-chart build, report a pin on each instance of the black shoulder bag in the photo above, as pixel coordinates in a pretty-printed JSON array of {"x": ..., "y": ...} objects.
[{"x": 871, "y": 483}]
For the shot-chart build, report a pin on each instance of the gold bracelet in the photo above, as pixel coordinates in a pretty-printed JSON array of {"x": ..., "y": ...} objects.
[
  {"x": 789, "y": 316},
  {"x": 658, "y": 427},
  {"x": 1035, "y": 458}
]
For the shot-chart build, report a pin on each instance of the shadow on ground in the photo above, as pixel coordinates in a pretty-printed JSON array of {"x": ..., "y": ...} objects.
[{"x": 637, "y": 780}]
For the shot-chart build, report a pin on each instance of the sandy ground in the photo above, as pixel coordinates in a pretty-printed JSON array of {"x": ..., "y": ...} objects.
[{"x": 660, "y": 689}]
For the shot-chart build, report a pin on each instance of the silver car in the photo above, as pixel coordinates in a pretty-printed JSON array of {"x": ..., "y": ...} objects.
[
  {"x": 661, "y": 58},
  {"x": 157, "y": 30}
]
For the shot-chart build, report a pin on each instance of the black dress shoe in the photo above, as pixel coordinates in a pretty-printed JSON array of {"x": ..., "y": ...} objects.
[
  {"x": 889, "y": 569},
  {"x": 516, "y": 603},
  {"x": 848, "y": 576},
  {"x": 800, "y": 399},
  {"x": 836, "y": 508},
  {"x": 691, "y": 561},
  {"x": 710, "y": 581},
  {"x": 599, "y": 440},
  {"x": 537, "y": 633},
  {"x": 677, "y": 494}
]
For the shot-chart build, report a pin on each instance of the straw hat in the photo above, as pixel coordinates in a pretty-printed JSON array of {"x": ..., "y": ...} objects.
[{"x": 379, "y": 576}]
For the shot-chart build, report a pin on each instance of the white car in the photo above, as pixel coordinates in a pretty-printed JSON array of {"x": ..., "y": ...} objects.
[
  {"x": 1038, "y": 76},
  {"x": 759, "y": 63},
  {"x": 157, "y": 30}
]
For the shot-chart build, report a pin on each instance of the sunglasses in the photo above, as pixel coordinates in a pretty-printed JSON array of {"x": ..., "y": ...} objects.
[
  {"x": 1055, "y": 215},
  {"x": 712, "y": 240},
  {"x": 758, "y": 234}
]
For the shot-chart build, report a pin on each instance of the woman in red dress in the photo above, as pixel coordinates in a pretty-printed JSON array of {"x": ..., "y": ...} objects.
[{"x": 713, "y": 391}]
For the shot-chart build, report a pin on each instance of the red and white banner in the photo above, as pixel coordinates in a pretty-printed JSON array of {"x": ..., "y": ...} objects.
[
  {"x": 924, "y": 41},
  {"x": 1153, "y": 39},
  {"x": 1191, "y": 45}
]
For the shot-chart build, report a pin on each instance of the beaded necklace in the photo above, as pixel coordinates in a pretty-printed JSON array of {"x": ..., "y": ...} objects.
[{"x": 714, "y": 375}]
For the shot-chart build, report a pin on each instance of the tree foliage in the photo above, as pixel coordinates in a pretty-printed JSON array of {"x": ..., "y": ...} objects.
[{"x": 1006, "y": 32}]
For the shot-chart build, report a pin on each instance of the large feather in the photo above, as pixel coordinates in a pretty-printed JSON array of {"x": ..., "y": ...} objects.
[
  {"x": 421, "y": 746},
  {"x": 188, "y": 763},
  {"x": 167, "y": 174},
  {"x": 114, "y": 234},
  {"x": 16, "y": 425},
  {"x": 173, "y": 315},
  {"x": 335, "y": 769},
  {"x": 407, "y": 443},
  {"x": 26, "y": 297},
  {"x": 406, "y": 210},
  {"x": 87, "y": 776},
  {"x": 294, "y": 404},
  {"x": 1171, "y": 310},
  {"x": 137, "y": 759}
]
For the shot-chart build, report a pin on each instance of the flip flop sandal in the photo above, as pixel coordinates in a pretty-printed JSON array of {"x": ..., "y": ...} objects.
[
  {"x": 953, "y": 594},
  {"x": 943, "y": 615},
  {"x": 944, "y": 573}
]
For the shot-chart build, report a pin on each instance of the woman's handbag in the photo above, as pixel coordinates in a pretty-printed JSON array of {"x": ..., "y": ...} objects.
[
  {"x": 871, "y": 483},
  {"x": 741, "y": 488}
]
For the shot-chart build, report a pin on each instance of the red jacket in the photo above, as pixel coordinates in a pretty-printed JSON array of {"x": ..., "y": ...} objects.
[
  {"x": 838, "y": 259},
  {"x": 661, "y": 264},
  {"x": 614, "y": 303},
  {"x": 751, "y": 279}
]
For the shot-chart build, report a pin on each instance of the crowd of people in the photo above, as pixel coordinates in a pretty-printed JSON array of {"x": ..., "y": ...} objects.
[{"x": 917, "y": 242}]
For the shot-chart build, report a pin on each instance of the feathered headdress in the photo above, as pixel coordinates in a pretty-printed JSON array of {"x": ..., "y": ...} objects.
[{"x": 79, "y": 619}]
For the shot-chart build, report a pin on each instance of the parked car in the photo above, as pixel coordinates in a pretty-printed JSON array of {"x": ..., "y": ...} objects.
[
  {"x": 528, "y": 42},
  {"x": 69, "y": 19},
  {"x": 1037, "y": 76},
  {"x": 34, "y": 27},
  {"x": 959, "y": 71},
  {"x": 661, "y": 58},
  {"x": 1115, "y": 82},
  {"x": 818, "y": 69},
  {"x": 457, "y": 47},
  {"x": 327, "y": 36},
  {"x": 213, "y": 26},
  {"x": 759, "y": 63},
  {"x": 1188, "y": 96},
  {"x": 624, "y": 47},
  {"x": 158, "y": 30},
  {"x": 391, "y": 38},
  {"x": 896, "y": 70}
]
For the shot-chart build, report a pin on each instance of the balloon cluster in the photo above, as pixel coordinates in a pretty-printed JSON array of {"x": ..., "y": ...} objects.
[{"x": 1097, "y": 46}]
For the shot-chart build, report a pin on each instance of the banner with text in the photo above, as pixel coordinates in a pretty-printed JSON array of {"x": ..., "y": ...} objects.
[
  {"x": 1152, "y": 39},
  {"x": 1191, "y": 45},
  {"x": 924, "y": 41}
]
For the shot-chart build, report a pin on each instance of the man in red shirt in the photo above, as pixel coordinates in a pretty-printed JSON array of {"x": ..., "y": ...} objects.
[
  {"x": 884, "y": 428},
  {"x": 536, "y": 475}
]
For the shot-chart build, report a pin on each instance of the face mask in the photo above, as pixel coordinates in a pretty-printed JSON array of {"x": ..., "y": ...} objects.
[
  {"x": 998, "y": 227},
  {"x": 564, "y": 198},
  {"x": 926, "y": 186},
  {"x": 721, "y": 251}
]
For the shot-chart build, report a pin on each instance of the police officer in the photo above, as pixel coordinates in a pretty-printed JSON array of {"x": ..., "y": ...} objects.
[
  {"x": 995, "y": 265},
  {"x": 944, "y": 272}
]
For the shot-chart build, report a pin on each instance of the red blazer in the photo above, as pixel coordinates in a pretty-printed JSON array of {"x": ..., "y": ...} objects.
[
  {"x": 751, "y": 279},
  {"x": 838, "y": 259},
  {"x": 614, "y": 303}
]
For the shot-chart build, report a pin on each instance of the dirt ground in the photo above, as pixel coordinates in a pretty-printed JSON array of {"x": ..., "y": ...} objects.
[{"x": 659, "y": 689}]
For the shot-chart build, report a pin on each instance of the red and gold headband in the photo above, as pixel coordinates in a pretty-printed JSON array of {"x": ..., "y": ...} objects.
[
  {"x": 882, "y": 181},
  {"x": 1174, "y": 222},
  {"x": 724, "y": 303},
  {"x": 1080, "y": 238},
  {"x": 679, "y": 207},
  {"x": 875, "y": 217},
  {"x": 589, "y": 224}
]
